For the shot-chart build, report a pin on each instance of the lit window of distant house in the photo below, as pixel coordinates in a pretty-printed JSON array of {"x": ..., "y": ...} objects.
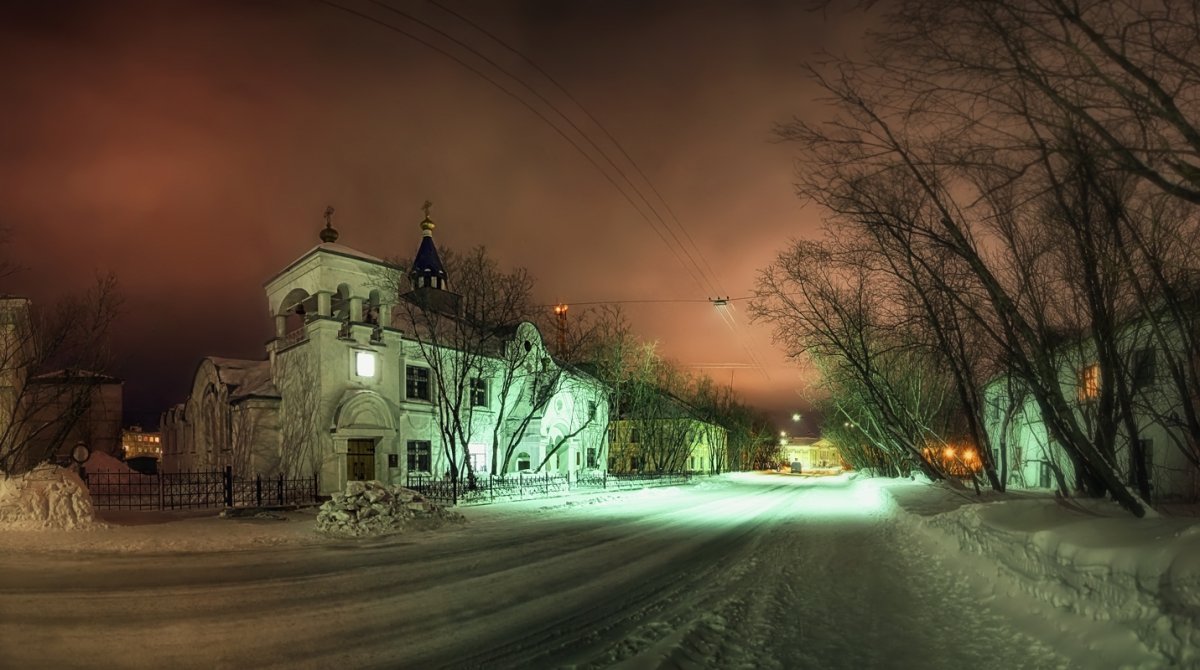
[
  {"x": 419, "y": 455},
  {"x": 633, "y": 436},
  {"x": 416, "y": 383},
  {"x": 1089, "y": 382},
  {"x": 479, "y": 392},
  {"x": 364, "y": 364},
  {"x": 522, "y": 461}
]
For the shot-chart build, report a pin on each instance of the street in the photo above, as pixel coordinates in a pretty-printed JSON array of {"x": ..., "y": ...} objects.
[{"x": 753, "y": 571}]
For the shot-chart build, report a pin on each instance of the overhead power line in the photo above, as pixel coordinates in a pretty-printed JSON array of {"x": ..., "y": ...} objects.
[
  {"x": 700, "y": 271},
  {"x": 603, "y": 129}
]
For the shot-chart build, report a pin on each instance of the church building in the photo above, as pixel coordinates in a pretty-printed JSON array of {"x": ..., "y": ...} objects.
[{"x": 347, "y": 390}]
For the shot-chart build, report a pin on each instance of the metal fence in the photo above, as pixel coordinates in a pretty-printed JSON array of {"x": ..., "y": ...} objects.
[
  {"x": 523, "y": 487},
  {"x": 193, "y": 490}
]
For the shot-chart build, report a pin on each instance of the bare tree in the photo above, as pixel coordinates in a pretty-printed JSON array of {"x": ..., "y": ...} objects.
[
  {"x": 69, "y": 338},
  {"x": 983, "y": 146},
  {"x": 459, "y": 335},
  {"x": 300, "y": 451}
]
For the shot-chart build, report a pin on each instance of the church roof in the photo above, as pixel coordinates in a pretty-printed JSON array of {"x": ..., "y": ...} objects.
[
  {"x": 247, "y": 378},
  {"x": 427, "y": 261}
]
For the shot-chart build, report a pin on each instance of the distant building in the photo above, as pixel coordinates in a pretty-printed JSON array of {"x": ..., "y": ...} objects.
[
  {"x": 669, "y": 437},
  {"x": 98, "y": 427},
  {"x": 346, "y": 394},
  {"x": 141, "y": 450},
  {"x": 811, "y": 453}
]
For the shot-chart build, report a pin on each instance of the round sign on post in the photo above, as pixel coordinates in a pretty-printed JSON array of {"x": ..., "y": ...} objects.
[{"x": 80, "y": 453}]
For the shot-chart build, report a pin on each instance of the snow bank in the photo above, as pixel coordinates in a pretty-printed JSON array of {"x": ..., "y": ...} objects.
[
  {"x": 99, "y": 461},
  {"x": 47, "y": 497},
  {"x": 1087, "y": 557},
  {"x": 373, "y": 508}
]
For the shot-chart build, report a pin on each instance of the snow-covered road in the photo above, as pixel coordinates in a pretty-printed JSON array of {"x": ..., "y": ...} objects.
[{"x": 752, "y": 571}]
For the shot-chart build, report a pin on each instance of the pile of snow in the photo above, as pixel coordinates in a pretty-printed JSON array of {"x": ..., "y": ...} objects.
[
  {"x": 46, "y": 497},
  {"x": 1088, "y": 557},
  {"x": 99, "y": 461},
  {"x": 373, "y": 508}
]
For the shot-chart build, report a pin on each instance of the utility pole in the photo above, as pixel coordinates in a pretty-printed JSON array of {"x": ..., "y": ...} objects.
[{"x": 560, "y": 311}]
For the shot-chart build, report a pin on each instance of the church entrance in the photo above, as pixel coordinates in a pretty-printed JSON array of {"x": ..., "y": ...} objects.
[{"x": 360, "y": 460}]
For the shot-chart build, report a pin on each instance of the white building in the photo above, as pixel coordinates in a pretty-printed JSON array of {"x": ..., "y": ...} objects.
[
  {"x": 1014, "y": 418},
  {"x": 347, "y": 394}
]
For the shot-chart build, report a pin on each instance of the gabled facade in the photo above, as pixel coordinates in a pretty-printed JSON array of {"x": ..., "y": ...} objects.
[{"x": 346, "y": 394}]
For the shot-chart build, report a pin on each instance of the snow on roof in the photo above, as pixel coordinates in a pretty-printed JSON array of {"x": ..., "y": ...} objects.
[
  {"x": 248, "y": 378},
  {"x": 78, "y": 376},
  {"x": 337, "y": 250}
]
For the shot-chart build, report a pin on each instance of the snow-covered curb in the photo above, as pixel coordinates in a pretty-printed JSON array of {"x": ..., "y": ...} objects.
[{"x": 1084, "y": 557}]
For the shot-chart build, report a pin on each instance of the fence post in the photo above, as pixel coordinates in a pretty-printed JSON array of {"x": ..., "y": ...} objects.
[
  {"x": 258, "y": 490},
  {"x": 316, "y": 488},
  {"x": 454, "y": 490},
  {"x": 229, "y": 486},
  {"x": 159, "y": 478},
  {"x": 280, "y": 489}
]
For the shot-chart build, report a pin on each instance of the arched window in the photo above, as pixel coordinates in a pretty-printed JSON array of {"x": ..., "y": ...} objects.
[
  {"x": 522, "y": 461},
  {"x": 371, "y": 309}
]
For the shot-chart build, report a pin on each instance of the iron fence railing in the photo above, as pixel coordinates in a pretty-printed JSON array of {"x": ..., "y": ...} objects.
[
  {"x": 192, "y": 490},
  {"x": 527, "y": 486}
]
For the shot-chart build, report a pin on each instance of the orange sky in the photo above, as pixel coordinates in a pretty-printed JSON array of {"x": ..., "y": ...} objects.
[{"x": 192, "y": 147}]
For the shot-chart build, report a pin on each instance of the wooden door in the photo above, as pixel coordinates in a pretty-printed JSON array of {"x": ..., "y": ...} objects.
[{"x": 360, "y": 460}]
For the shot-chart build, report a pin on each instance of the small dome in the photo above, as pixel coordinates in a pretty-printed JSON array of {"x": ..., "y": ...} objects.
[{"x": 329, "y": 234}]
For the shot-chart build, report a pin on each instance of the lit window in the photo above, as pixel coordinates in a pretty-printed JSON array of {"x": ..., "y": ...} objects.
[
  {"x": 364, "y": 364},
  {"x": 1089, "y": 382}
]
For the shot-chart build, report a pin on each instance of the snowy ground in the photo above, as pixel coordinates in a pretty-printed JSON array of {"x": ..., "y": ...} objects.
[{"x": 745, "y": 571}]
